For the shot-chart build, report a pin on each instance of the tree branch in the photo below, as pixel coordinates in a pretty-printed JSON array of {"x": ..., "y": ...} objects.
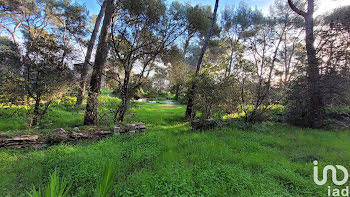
[{"x": 296, "y": 10}]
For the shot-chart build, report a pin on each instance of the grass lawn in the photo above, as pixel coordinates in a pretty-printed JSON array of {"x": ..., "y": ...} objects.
[{"x": 266, "y": 159}]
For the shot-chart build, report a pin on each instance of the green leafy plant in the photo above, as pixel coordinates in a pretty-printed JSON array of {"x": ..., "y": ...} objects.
[
  {"x": 56, "y": 188},
  {"x": 105, "y": 184}
]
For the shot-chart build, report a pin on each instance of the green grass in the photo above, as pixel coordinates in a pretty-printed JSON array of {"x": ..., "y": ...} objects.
[
  {"x": 106, "y": 91},
  {"x": 265, "y": 159},
  {"x": 61, "y": 114},
  {"x": 56, "y": 188}
]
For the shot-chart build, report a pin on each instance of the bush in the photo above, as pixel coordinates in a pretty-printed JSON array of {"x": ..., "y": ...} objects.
[
  {"x": 60, "y": 188},
  {"x": 56, "y": 188},
  {"x": 214, "y": 96},
  {"x": 105, "y": 184},
  {"x": 297, "y": 102}
]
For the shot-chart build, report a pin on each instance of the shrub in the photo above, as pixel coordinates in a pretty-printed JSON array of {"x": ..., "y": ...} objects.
[
  {"x": 55, "y": 188},
  {"x": 213, "y": 96},
  {"x": 105, "y": 184},
  {"x": 297, "y": 102},
  {"x": 60, "y": 188}
]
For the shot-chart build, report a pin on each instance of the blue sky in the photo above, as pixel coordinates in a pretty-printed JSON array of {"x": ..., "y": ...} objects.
[
  {"x": 94, "y": 7},
  {"x": 321, "y": 7}
]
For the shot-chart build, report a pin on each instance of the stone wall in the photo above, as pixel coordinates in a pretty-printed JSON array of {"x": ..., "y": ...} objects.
[{"x": 60, "y": 135}]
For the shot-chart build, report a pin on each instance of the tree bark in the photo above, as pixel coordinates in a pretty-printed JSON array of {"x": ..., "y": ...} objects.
[
  {"x": 177, "y": 91},
  {"x": 85, "y": 67},
  {"x": 125, "y": 98},
  {"x": 316, "y": 109},
  {"x": 123, "y": 107},
  {"x": 192, "y": 91},
  {"x": 90, "y": 117},
  {"x": 36, "y": 111},
  {"x": 187, "y": 43}
]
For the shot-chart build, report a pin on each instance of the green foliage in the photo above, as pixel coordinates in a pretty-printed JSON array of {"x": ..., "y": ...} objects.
[
  {"x": 195, "y": 18},
  {"x": 105, "y": 183},
  {"x": 56, "y": 188},
  {"x": 242, "y": 19},
  {"x": 13, "y": 118},
  {"x": 62, "y": 114},
  {"x": 9, "y": 55},
  {"x": 209, "y": 95},
  {"x": 340, "y": 16},
  {"x": 106, "y": 91},
  {"x": 214, "y": 95},
  {"x": 244, "y": 159},
  {"x": 9, "y": 66},
  {"x": 152, "y": 9},
  {"x": 39, "y": 70}
]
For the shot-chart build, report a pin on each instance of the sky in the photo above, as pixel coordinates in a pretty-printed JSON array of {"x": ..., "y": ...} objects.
[
  {"x": 323, "y": 5},
  {"x": 93, "y": 6}
]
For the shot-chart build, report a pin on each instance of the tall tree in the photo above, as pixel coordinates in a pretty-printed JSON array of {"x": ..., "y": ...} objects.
[
  {"x": 238, "y": 24},
  {"x": 334, "y": 56},
  {"x": 90, "y": 117},
  {"x": 143, "y": 33},
  {"x": 13, "y": 14},
  {"x": 316, "y": 109},
  {"x": 85, "y": 67},
  {"x": 65, "y": 19},
  {"x": 48, "y": 29},
  {"x": 196, "y": 20},
  {"x": 9, "y": 66},
  {"x": 177, "y": 70},
  {"x": 191, "y": 93},
  {"x": 45, "y": 78}
]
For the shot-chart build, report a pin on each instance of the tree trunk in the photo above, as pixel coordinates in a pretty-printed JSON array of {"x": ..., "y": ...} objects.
[
  {"x": 316, "y": 106},
  {"x": 192, "y": 91},
  {"x": 316, "y": 111},
  {"x": 187, "y": 43},
  {"x": 231, "y": 60},
  {"x": 177, "y": 91},
  {"x": 36, "y": 111},
  {"x": 122, "y": 108},
  {"x": 90, "y": 117},
  {"x": 85, "y": 67}
]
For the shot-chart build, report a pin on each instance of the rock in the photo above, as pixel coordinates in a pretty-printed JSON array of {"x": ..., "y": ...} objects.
[
  {"x": 59, "y": 130},
  {"x": 22, "y": 141},
  {"x": 117, "y": 131},
  {"x": 32, "y": 138},
  {"x": 56, "y": 137},
  {"x": 104, "y": 132},
  {"x": 59, "y": 135},
  {"x": 77, "y": 136},
  {"x": 132, "y": 131},
  {"x": 123, "y": 130},
  {"x": 132, "y": 128},
  {"x": 76, "y": 129},
  {"x": 140, "y": 127}
]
